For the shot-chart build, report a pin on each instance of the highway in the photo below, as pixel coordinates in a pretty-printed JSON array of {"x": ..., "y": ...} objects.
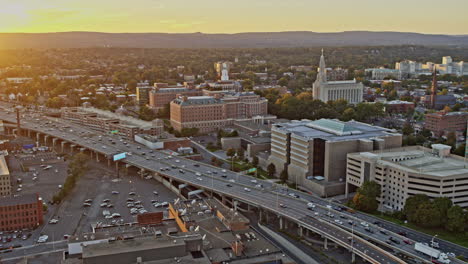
[{"x": 268, "y": 196}]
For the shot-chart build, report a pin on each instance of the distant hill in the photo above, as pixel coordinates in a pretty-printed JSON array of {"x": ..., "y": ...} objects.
[{"x": 239, "y": 40}]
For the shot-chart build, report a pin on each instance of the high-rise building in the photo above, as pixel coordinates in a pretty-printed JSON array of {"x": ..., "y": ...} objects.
[
  {"x": 314, "y": 152},
  {"x": 143, "y": 94},
  {"x": 325, "y": 90}
]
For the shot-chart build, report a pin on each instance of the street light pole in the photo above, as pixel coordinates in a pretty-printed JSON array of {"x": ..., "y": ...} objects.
[{"x": 432, "y": 243}]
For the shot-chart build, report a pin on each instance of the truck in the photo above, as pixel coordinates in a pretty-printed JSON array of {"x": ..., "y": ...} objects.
[{"x": 432, "y": 252}]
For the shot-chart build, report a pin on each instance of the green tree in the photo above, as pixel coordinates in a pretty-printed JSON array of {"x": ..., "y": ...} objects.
[
  {"x": 443, "y": 204},
  {"x": 271, "y": 169},
  {"x": 427, "y": 215},
  {"x": 230, "y": 152},
  {"x": 407, "y": 129},
  {"x": 348, "y": 114},
  {"x": 366, "y": 196},
  {"x": 451, "y": 139},
  {"x": 411, "y": 205},
  {"x": 145, "y": 113},
  {"x": 455, "y": 219}
]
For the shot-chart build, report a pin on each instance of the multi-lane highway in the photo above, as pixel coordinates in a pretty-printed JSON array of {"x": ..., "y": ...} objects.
[{"x": 263, "y": 194}]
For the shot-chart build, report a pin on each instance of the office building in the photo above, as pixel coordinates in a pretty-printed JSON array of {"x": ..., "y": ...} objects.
[
  {"x": 403, "y": 172},
  {"x": 222, "y": 65},
  {"x": 314, "y": 152},
  {"x": 209, "y": 113},
  {"x": 142, "y": 93},
  {"x": 442, "y": 123},
  {"x": 325, "y": 90},
  {"x": 5, "y": 180},
  {"x": 383, "y": 73},
  {"x": 20, "y": 212}
]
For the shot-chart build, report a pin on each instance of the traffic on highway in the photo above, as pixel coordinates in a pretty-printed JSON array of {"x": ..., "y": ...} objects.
[{"x": 345, "y": 227}]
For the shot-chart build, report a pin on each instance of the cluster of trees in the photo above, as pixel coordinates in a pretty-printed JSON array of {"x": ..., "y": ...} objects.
[
  {"x": 76, "y": 168},
  {"x": 439, "y": 212},
  {"x": 184, "y": 132},
  {"x": 365, "y": 198},
  {"x": 304, "y": 105}
]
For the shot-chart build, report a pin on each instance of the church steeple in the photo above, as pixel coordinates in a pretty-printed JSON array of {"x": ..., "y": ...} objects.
[
  {"x": 434, "y": 88},
  {"x": 322, "y": 74}
]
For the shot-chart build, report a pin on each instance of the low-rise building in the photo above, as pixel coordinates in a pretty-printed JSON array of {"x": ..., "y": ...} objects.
[
  {"x": 208, "y": 113},
  {"x": 442, "y": 123},
  {"x": 20, "y": 212},
  {"x": 5, "y": 180},
  {"x": 162, "y": 95},
  {"x": 112, "y": 123},
  {"x": 314, "y": 152},
  {"x": 403, "y": 172},
  {"x": 398, "y": 107}
]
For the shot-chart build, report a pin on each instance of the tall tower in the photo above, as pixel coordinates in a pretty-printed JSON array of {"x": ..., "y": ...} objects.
[
  {"x": 434, "y": 89},
  {"x": 322, "y": 74}
]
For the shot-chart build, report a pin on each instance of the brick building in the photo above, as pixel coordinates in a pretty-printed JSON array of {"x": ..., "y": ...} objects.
[
  {"x": 162, "y": 95},
  {"x": 397, "y": 107},
  {"x": 208, "y": 113},
  {"x": 20, "y": 212},
  {"x": 442, "y": 123},
  {"x": 5, "y": 180}
]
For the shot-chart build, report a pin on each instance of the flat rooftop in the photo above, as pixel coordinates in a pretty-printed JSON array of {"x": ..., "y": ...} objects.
[
  {"x": 421, "y": 160},
  {"x": 333, "y": 130},
  {"x": 22, "y": 199}
]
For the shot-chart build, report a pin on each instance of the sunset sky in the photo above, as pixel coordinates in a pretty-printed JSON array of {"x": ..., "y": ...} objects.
[{"x": 210, "y": 16}]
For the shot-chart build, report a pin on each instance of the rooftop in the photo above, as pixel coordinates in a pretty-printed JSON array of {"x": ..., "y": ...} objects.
[
  {"x": 332, "y": 129},
  {"x": 22, "y": 199},
  {"x": 421, "y": 160}
]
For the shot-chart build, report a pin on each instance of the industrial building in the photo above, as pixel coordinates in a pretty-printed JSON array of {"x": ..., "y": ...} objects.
[
  {"x": 20, "y": 212},
  {"x": 403, "y": 172},
  {"x": 314, "y": 152}
]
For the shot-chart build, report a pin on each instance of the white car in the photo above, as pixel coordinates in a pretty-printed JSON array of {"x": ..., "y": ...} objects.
[
  {"x": 253, "y": 181},
  {"x": 53, "y": 221},
  {"x": 199, "y": 178},
  {"x": 43, "y": 239},
  {"x": 197, "y": 173},
  {"x": 246, "y": 189},
  {"x": 115, "y": 215},
  {"x": 155, "y": 192},
  {"x": 311, "y": 205}
]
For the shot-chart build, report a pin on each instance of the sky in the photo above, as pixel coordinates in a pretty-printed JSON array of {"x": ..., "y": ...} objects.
[{"x": 233, "y": 16}]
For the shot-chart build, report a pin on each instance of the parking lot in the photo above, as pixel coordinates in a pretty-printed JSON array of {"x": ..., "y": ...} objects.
[{"x": 99, "y": 183}]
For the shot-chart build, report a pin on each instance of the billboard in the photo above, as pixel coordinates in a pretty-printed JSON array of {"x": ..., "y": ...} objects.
[{"x": 120, "y": 156}]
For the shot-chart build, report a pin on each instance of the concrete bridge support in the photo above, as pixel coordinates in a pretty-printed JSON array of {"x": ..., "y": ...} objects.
[
  {"x": 300, "y": 231},
  {"x": 54, "y": 142},
  {"x": 325, "y": 243},
  {"x": 353, "y": 257},
  {"x": 46, "y": 137},
  {"x": 72, "y": 148},
  {"x": 38, "y": 137},
  {"x": 281, "y": 223},
  {"x": 108, "y": 162}
]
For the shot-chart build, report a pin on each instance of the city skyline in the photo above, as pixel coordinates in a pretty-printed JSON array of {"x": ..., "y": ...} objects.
[{"x": 32, "y": 16}]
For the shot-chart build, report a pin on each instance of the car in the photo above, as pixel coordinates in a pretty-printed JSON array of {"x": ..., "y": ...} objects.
[
  {"x": 338, "y": 221},
  {"x": 407, "y": 241},
  {"x": 130, "y": 199},
  {"x": 224, "y": 176},
  {"x": 115, "y": 215},
  {"x": 196, "y": 165},
  {"x": 282, "y": 205},
  {"x": 66, "y": 236},
  {"x": 383, "y": 231},
  {"x": 53, "y": 221},
  {"x": 42, "y": 239},
  {"x": 181, "y": 171},
  {"x": 88, "y": 201},
  {"x": 394, "y": 240},
  {"x": 131, "y": 193},
  {"x": 157, "y": 205},
  {"x": 402, "y": 233},
  {"x": 369, "y": 230},
  {"x": 232, "y": 180},
  {"x": 108, "y": 217},
  {"x": 103, "y": 205},
  {"x": 350, "y": 222},
  {"x": 177, "y": 161},
  {"x": 376, "y": 223},
  {"x": 209, "y": 172},
  {"x": 164, "y": 204},
  {"x": 246, "y": 189},
  {"x": 149, "y": 177},
  {"x": 106, "y": 200},
  {"x": 364, "y": 224},
  {"x": 155, "y": 192},
  {"x": 294, "y": 195},
  {"x": 200, "y": 178},
  {"x": 115, "y": 192},
  {"x": 110, "y": 205},
  {"x": 86, "y": 204},
  {"x": 228, "y": 185},
  {"x": 310, "y": 205},
  {"x": 129, "y": 205}
]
